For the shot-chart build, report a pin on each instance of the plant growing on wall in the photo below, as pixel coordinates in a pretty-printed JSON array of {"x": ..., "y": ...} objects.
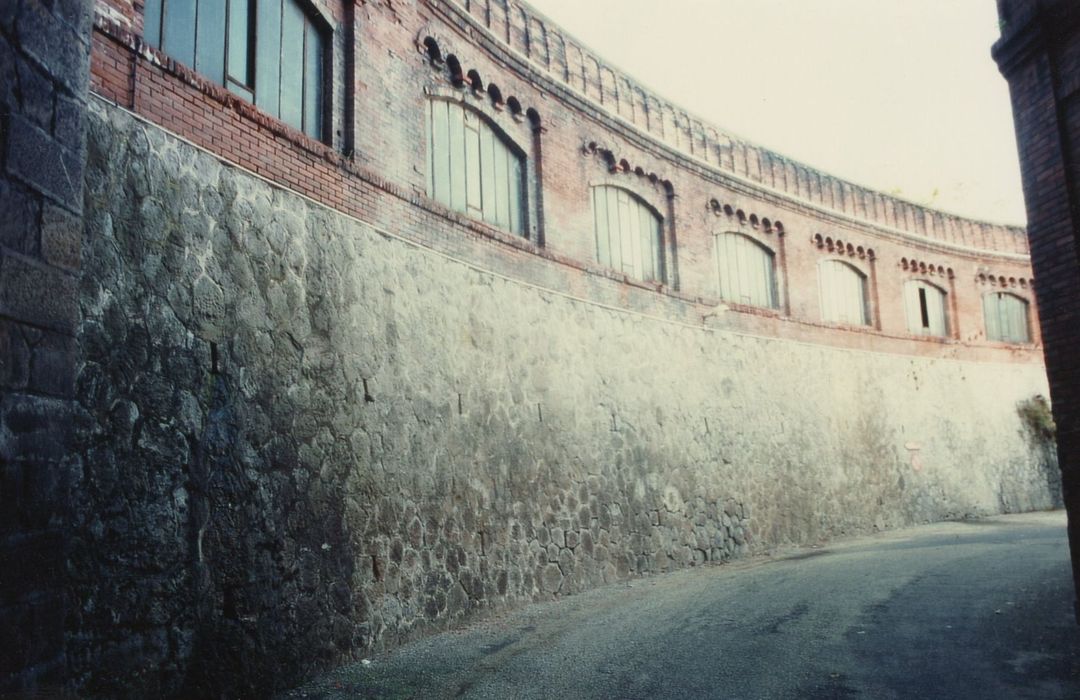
[{"x": 1037, "y": 418}]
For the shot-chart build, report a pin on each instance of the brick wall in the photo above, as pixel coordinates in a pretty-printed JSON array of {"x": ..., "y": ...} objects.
[
  {"x": 1039, "y": 54},
  {"x": 44, "y": 52},
  {"x": 375, "y": 169}
]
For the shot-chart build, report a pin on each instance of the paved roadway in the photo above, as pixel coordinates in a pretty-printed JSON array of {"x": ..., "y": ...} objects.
[{"x": 978, "y": 609}]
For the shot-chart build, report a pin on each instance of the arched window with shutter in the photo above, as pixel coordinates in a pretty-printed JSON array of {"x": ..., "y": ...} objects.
[
  {"x": 843, "y": 293},
  {"x": 746, "y": 270},
  {"x": 473, "y": 168},
  {"x": 628, "y": 233},
  {"x": 925, "y": 307},
  {"x": 1006, "y": 317}
]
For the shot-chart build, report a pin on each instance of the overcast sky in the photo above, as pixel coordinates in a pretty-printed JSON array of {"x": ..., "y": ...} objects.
[{"x": 898, "y": 95}]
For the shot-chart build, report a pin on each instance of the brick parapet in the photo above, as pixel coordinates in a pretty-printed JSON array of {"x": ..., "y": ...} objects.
[{"x": 513, "y": 33}]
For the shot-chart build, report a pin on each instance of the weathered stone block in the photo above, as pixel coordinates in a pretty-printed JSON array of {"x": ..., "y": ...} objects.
[
  {"x": 59, "y": 48},
  {"x": 14, "y": 356},
  {"x": 19, "y": 223},
  {"x": 551, "y": 578},
  {"x": 35, "y": 92},
  {"x": 61, "y": 237},
  {"x": 33, "y": 427},
  {"x": 43, "y": 163},
  {"x": 8, "y": 12},
  {"x": 77, "y": 14},
  {"x": 52, "y": 365}
]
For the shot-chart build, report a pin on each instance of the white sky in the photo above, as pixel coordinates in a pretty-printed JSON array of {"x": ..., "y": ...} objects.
[{"x": 898, "y": 95}]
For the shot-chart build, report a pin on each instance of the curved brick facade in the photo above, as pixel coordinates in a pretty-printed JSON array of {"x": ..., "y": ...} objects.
[
  {"x": 318, "y": 412},
  {"x": 581, "y": 124}
]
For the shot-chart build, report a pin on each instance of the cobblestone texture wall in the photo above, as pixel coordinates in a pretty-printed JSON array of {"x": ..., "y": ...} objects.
[
  {"x": 305, "y": 438},
  {"x": 44, "y": 71}
]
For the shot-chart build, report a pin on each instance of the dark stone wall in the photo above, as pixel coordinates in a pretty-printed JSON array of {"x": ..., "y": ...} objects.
[
  {"x": 1039, "y": 54},
  {"x": 44, "y": 72}
]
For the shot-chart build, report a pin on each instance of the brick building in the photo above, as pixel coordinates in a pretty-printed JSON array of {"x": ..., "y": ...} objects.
[
  {"x": 1039, "y": 54},
  {"x": 366, "y": 318}
]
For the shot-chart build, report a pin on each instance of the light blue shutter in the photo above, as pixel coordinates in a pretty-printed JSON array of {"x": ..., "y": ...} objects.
[
  {"x": 992, "y": 316},
  {"x": 178, "y": 30},
  {"x": 488, "y": 146},
  {"x": 843, "y": 293},
  {"x": 292, "y": 65},
  {"x": 313, "y": 81},
  {"x": 935, "y": 310},
  {"x": 210, "y": 40},
  {"x": 473, "y": 188},
  {"x": 746, "y": 271}
]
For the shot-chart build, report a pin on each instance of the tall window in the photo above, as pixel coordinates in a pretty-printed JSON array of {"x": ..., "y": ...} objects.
[
  {"x": 628, "y": 234},
  {"x": 271, "y": 52},
  {"x": 747, "y": 272},
  {"x": 843, "y": 293},
  {"x": 472, "y": 168},
  {"x": 1006, "y": 318},
  {"x": 925, "y": 306}
]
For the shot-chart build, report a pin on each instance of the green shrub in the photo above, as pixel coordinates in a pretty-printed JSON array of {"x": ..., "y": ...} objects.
[{"x": 1036, "y": 415}]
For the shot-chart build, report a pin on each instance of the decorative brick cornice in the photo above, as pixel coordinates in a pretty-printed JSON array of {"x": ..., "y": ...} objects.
[
  {"x": 840, "y": 247},
  {"x": 545, "y": 55},
  {"x": 622, "y": 165}
]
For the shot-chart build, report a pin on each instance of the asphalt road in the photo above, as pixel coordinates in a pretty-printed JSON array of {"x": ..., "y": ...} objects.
[{"x": 979, "y": 609}]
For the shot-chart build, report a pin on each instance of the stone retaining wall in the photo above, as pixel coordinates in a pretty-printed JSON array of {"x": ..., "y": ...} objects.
[{"x": 305, "y": 437}]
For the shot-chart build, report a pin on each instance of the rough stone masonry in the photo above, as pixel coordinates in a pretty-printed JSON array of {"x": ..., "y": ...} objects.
[
  {"x": 267, "y": 406},
  {"x": 305, "y": 451}
]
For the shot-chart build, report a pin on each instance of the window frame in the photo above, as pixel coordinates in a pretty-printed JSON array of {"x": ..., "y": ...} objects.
[
  {"x": 526, "y": 216},
  {"x": 155, "y": 14},
  {"x": 1027, "y": 327},
  {"x": 660, "y": 254},
  {"x": 864, "y": 278},
  {"x": 927, "y": 331},
  {"x": 773, "y": 283}
]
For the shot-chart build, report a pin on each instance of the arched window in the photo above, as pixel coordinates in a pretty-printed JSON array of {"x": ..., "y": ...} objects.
[
  {"x": 628, "y": 233},
  {"x": 747, "y": 271},
  {"x": 472, "y": 168},
  {"x": 925, "y": 305},
  {"x": 270, "y": 52},
  {"x": 843, "y": 293},
  {"x": 1006, "y": 318}
]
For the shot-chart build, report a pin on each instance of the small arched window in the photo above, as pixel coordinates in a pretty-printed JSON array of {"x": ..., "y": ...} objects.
[
  {"x": 925, "y": 306},
  {"x": 271, "y": 52},
  {"x": 1006, "y": 318},
  {"x": 628, "y": 233},
  {"x": 843, "y": 293},
  {"x": 746, "y": 269},
  {"x": 474, "y": 169}
]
